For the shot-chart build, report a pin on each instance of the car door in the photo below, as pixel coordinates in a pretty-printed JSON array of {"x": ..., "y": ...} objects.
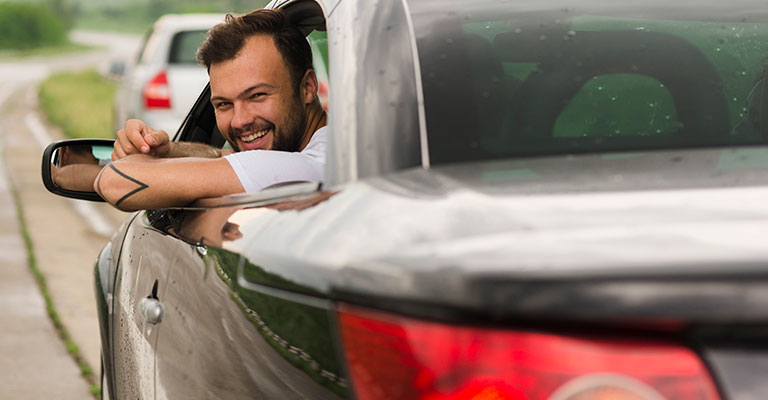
[
  {"x": 146, "y": 259},
  {"x": 223, "y": 341}
]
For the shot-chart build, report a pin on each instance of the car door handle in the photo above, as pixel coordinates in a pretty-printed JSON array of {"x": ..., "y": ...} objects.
[{"x": 152, "y": 308}]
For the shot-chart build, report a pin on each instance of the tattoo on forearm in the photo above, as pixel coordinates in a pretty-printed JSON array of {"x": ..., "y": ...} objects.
[
  {"x": 141, "y": 187},
  {"x": 98, "y": 185}
]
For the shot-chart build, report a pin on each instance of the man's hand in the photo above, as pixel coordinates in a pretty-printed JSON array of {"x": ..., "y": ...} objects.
[{"x": 138, "y": 138}]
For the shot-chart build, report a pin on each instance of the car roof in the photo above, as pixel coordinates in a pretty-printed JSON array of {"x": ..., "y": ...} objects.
[{"x": 188, "y": 21}]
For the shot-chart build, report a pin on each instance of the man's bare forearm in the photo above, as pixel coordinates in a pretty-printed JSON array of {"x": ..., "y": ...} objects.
[
  {"x": 76, "y": 176},
  {"x": 140, "y": 181},
  {"x": 134, "y": 187},
  {"x": 192, "y": 149}
]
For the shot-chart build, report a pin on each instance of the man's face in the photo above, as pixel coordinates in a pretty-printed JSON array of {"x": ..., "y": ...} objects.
[{"x": 257, "y": 105}]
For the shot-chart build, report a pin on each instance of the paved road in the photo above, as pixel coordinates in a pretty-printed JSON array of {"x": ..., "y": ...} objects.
[{"x": 34, "y": 362}]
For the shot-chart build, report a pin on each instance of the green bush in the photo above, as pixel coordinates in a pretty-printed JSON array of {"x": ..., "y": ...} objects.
[{"x": 27, "y": 26}]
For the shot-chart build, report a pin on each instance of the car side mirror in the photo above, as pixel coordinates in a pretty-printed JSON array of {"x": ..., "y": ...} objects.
[
  {"x": 117, "y": 69},
  {"x": 70, "y": 167}
]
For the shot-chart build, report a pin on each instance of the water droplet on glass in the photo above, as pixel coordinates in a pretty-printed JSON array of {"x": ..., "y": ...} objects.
[
  {"x": 658, "y": 130},
  {"x": 741, "y": 115},
  {"x": 617, "y": 131},
  {"x": 735, "y": 99},
  {"x": 640, "y": 28},
  {"x": 743, "y": 73},
  {"x": 571, "y": 33},
  {"x": 743, "y": 109},
  {"x": 487, "y": 26},
  {"x": 667, "y": 117},
  {"x": 613, "y": 98},
  {"x": 661, "y": 85},
  {"x": 717, "y": 49},
  {"x": 518, "y": 30},
  {"x": 599, "y": 88}
]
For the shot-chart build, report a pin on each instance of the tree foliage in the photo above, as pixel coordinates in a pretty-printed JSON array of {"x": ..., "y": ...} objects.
[
  {"x": 139, "y": 15},
  {"x": 26, "y": 26}
]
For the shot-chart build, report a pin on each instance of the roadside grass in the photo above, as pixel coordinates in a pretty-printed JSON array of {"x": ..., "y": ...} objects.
[
  {"x": 80, "y": 103},
  {"x": 72, "y": 348}
]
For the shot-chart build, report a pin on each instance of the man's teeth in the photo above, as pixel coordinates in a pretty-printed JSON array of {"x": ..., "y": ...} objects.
[{"x": 254, "y": 136}]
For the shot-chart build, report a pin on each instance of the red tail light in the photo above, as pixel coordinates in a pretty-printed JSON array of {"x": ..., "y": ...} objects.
[
  {"x": 322, "y": 93},
  {"x": 392, "y": 358},
  {"x": 156, "y": 92}
]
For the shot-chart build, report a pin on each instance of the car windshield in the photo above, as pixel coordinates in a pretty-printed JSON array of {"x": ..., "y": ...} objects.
[{"x": 524, "y": 78}]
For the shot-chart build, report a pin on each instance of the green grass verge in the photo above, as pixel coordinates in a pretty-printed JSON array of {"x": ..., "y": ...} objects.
[
  {"x": 80, "y": 103},
  {"x": 72, "y": 349}
]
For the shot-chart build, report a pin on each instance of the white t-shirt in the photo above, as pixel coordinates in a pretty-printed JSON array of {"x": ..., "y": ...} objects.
[{"x": 259, "y": 169}]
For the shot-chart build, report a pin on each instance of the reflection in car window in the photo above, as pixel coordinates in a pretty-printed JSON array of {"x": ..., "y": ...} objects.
[{"x": 505, "y": 79}]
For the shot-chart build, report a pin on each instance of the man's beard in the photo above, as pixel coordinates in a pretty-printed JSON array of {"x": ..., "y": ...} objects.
[{"x": 288, "y": 138}]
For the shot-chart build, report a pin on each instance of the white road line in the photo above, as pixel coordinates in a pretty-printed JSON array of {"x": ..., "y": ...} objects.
[
  {"x": 38, "y": 130},
  {"x": 93, "y": 217},
  {"x": 95, "y": 220}
]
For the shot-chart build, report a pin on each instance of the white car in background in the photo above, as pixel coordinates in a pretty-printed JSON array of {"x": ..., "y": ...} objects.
[{"x": 164, "y": 82}]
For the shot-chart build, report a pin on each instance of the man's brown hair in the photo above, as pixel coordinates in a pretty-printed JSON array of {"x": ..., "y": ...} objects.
[{"x": 226, "y": 39}]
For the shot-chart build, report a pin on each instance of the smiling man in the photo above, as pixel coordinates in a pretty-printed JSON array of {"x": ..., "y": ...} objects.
[{"x": 264, "y": 93}]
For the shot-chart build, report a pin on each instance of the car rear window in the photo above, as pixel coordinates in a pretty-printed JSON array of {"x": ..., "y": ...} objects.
[
  {"x": 184, "y": 46},
  {"x": 515, "y": 79}
]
